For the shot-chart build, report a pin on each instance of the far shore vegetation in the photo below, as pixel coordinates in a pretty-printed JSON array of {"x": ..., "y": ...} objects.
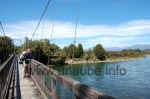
[{"x": 51, "y": 54}]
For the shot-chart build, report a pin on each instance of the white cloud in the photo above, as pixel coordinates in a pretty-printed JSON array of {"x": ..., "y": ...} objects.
[{"x": 67, "y": 29}]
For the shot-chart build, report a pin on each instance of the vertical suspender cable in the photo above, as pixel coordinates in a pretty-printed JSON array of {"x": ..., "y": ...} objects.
[
  {"x": 41, "y": 39},
  {"x": 53, "y": 24},
  {"x": 37, "y": 49},
  {"x": 74, "y": 42}
]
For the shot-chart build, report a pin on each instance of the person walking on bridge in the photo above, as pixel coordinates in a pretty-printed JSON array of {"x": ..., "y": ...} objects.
[{"x": 27, "y": 63}]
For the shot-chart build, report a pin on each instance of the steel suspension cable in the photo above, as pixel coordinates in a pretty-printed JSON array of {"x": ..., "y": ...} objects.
[
  {"x": 76, "y": 27},
  {"x": 40, "y": 19}
]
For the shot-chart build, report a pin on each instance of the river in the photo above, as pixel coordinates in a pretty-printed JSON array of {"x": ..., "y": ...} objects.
[{"x": 121, "y": 80}]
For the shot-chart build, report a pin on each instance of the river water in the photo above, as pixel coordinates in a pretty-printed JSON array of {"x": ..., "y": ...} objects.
[{"x": 121, "y": 80}]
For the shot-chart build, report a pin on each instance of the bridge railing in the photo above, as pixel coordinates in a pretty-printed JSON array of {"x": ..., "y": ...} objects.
[
  {"x": 54, "y": 85},
  {"x": 6, "y": 71}
]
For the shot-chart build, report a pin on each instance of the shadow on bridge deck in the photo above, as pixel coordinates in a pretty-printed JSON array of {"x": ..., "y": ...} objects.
[{"x": 22, "y": 88}]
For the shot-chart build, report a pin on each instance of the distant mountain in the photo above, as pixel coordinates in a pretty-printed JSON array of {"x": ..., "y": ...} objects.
[
  {"x": 139, "y": 46},
  {"x": 113, "y": 49},
  {"x": 136, "y": 46}
]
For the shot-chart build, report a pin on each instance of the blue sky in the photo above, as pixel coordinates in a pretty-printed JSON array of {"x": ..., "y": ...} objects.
[{"x": 112, "y": 23}]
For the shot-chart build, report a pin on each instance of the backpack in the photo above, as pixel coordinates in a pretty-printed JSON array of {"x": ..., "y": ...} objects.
[
  {"x": 27, "y": 55},
  {"x": 27, "y": 58}
]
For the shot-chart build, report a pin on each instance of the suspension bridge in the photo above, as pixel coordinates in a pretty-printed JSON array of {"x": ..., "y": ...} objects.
[{"x": 44, "y": 83}]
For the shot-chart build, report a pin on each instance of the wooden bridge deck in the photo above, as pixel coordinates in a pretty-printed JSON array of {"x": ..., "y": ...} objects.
[{"x": 23, "y": 88}]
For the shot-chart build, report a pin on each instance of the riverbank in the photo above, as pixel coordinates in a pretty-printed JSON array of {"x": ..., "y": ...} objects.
[{"x": 78, "y": 61}]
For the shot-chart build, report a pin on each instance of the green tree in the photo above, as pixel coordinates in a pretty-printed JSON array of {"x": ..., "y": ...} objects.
[
  {"x": 65, "y": 51},
  {"x": 54, "y": 49},
  {"x": 80, "y": 51},
  {"x": 6, "y": 48},
  {"x": 70, "y": 51},
  {"x": 99, "y": 52},
  {"x": 88, "y": 55}
]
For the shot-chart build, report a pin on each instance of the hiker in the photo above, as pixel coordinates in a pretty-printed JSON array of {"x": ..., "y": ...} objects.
[{"x": 27, "y": 63}]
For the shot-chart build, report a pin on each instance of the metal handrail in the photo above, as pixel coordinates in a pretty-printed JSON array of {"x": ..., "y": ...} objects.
[{"x": 6, "y": 71}]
